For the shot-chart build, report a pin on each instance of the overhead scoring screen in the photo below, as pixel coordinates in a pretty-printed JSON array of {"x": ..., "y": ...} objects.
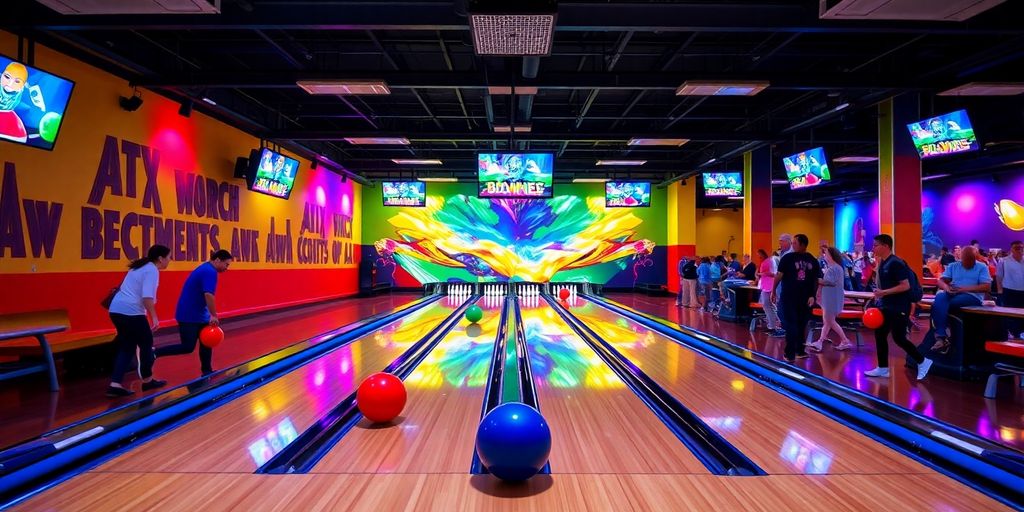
[{"x": 515, "y": 175}]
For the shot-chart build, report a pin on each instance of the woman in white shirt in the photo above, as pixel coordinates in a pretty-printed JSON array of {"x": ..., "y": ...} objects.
[{"x": 134, "y": 299}]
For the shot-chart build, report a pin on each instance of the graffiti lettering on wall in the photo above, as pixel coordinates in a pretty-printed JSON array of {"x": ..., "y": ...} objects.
[{"x": 209, "y": 216}]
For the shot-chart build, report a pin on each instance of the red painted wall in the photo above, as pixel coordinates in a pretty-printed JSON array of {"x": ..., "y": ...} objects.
[
  {"x": 238, "y": 292},
  {"x": 674, "y": 253}
]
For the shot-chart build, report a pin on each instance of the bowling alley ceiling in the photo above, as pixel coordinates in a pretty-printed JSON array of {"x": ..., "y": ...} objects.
[{"x": 613, "y": 74}]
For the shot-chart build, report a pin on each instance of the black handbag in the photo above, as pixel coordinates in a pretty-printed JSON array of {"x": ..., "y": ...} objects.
[{"x": 110, "y": 297}]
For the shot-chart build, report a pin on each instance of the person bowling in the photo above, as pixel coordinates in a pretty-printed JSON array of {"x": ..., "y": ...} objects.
[{"x": 197, "y": 308}]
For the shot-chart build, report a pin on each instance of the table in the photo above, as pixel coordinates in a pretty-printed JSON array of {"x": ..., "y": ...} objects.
[
  {"x": 740, "y": 294},
  {"x": 970, "y": 327},
  {"x": 12, "y": 370}
]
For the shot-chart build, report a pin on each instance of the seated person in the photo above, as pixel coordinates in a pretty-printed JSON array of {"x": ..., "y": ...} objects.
[{"x": 963, "y": 284}]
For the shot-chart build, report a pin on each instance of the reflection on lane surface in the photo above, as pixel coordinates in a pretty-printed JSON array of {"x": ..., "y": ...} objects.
[
  {"x": 463, "y": 358},
  {"x": 560, "y": 359},
  {"x": 328, "y": 377}
]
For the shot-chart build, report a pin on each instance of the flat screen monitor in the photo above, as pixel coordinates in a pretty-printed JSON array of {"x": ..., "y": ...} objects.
[
  {"x": 272, "y": 173},
  {"x": 723, "y": 184},
  {"x": 627, "y": 194},
  {"x": 32, "y": 104},
  {"x": 807, "y": 168},
  {"x": 946, "y": 134},
  {"x": 515, "y": 175},
  {"x": 404, "y": 193}
]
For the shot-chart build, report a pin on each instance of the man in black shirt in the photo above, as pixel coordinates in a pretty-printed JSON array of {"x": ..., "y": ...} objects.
[
  {"x": 893, "y": 294},
  {"x": 798, "y": 273},
  {"x": 946, "y": 259},
  {"x": 749, "y": 269},
  {"x": 687, "y": 283}
]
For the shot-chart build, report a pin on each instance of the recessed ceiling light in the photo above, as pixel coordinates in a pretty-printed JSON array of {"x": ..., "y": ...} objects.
[
  {"x": 935, "y": 177},
  {"x": 636, "y": 141},
  {"x": 439, "y": 180},
  {"x": 394, "y": 141},
  {"x": 621, "y": 162},
  {"x": 524, "y": 128},
  {"x": 986, "y": 89},
  {"x": 589, "y": 180},
  {"x": 720, "y": 88},
  {"x": 347, "y": 87},
  {"x": 416, "y": 161},
  {"x": 855, "y": 159},
  {"x": 780, "y": 182}
]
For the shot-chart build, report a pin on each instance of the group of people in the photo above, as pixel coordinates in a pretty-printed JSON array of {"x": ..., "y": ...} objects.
[
  {"x": 701, "y": 278},
  {"x": 792, "y": 281},
  {"x": 133, "y": 312}
]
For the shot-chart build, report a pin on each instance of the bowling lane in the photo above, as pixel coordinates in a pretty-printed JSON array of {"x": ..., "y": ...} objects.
[
  {"x": 777, "y": 433},
  {"x": 241, "y": 435},
  {"x": 598, "y": 425},
  {"x": 436, "y": 433}
]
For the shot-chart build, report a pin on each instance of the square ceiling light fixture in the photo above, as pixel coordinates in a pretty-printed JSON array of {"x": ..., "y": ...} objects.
[
  {"x": 438, "y": 179},
  {"x": 504, "y": 28},
  {"x": 393, "y": 141},
  {"x": 986, "y": 89},
  {"x": 636, "y": 141},
  {"x": 416, "y": 161},
  {"x": 720, "y": 88},
  {"x": 504, "y": 128},
  {"x": 345, "y": 87}
]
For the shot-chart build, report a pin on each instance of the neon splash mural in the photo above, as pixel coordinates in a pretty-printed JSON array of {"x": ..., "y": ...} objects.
[{"x": 565, "y": 238}]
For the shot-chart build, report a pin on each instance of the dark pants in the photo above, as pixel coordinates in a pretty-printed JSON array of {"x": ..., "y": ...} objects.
[
  {"x": 133, "y": 332},
  {"x": 795, "y": 315},
  {"x": 896, "y": 324},
  {"x": 1014, "y": 299},
  {"x": 189, "y": 333}
]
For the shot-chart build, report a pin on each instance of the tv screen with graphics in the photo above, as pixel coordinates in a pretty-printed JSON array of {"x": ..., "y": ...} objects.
[
  {"x": 944, "y": 135},
  {"x": 32, "y": 104},
  {"x": 619, "y": 194},
  {"x": 272, "y": 173},
  {"x": 807, "y": 168},
  {"x": 404, "y": 193},
  {"x": 515, "y": 175},
  {"x": 723, "y": 184}
]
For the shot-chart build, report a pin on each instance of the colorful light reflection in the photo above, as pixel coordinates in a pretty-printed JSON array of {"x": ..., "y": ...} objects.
[
  {"x": 559, "y": 358},
  {"x": 272, "y": 442},
  {"x": 463, "y": 357},
  {"x": 804, "y": 455}
]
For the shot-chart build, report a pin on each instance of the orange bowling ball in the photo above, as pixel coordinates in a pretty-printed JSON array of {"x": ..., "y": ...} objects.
[
  {"x": 211, "y": 336},
  {"x": 873, "y": 318},
  {"x": 381, "y": 397}
]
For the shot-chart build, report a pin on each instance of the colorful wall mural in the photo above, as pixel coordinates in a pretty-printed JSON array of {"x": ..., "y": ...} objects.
[
  {"x": 570, "y": 237},
  {"x": 986, "y": 209},
  {"x": 119, "y": 182},
  {"x": 856, "y": 223}
]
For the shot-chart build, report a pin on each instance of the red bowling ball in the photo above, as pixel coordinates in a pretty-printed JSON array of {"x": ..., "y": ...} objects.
[
  {"x": 563, "y": 293},
  {"x": 381, "y": 397},
  {"x": 211, "y": 336},
  {"x": 873, "y": 318}
]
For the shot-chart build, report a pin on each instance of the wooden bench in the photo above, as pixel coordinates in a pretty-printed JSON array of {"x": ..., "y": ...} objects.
[
  {"x": 1013, "y": 349},
  {"x": 42, "y": 334}
]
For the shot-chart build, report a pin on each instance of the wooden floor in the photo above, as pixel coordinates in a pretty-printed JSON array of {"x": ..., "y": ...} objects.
[{"x": 610, "y": 452}]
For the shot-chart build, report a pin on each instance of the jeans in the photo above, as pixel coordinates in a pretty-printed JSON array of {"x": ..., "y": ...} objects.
[
  {"x": 133, "y": 332},
  {"x": 771, "y": 316},
  {"x": 896, "y": 324},
  {"x": 944, "y": 303},
  {"x": 189, "y": 333},
  {"x": 1014, "y": 299},
  {"x": 857, "y": 280},
  {"x": 795, "y": 315}
]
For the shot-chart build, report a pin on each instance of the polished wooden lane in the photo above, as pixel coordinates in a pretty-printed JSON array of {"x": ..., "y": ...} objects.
[
  {"x": 777, "y": 433},
  {"x": 242, "y": 434},
  {"x": 437, "y": 430},
  {"x": 108, "y": 492},
  {"x": 598, "y": 425}
]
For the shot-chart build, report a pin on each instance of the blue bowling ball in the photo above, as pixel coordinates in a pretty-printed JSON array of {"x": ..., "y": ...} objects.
[{"x": 513, "y": 441}]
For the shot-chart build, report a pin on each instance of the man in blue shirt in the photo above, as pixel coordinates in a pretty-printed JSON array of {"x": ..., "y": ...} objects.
[
  {"x": 963, "y": 284},
  {"x": 197, "y": 309}
]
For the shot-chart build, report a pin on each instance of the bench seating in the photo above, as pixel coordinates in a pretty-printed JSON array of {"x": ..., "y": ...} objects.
[
  {"x": 1013, "y": 349},
  {"x": 55, "y": 343}
]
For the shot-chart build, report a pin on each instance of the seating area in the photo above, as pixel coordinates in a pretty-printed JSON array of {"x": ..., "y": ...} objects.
[
  {"x": 1012, "y": 349},
  {"x": 32, "y": 341}
]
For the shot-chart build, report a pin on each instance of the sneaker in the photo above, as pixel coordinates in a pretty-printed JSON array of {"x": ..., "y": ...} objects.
[
  {"x": 790, "y": 360},
  {"x": 922, "y": 369},
  {"x": 877, "y": 372},
  {"x": 778, "y": 333},
  {"x": 846, "y": 345},
  {"x": 153, "y": 384},
  {"x": 116, "y": 392},
  {"x": 802, "y": 355},
  {"x": 815, "y": 346}
]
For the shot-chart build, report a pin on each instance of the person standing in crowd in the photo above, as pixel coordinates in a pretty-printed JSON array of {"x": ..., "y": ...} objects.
[
  {"x": 749, "y": 270},
  {"x": 893, "y": 294},
  {"x": 735, "y": 267},
  {"x": 135, "y": 298},
  {"x": 934, "y": 266},
  {"x": 945, "y": 258},
  {"x": 689, "y": 284},
  {"x": 704, "y": 280},
  {"x": 718, "y": 270},
  {"x": 1010, "y": 285},
  {"x": 957, "y": 251},
  {"x": 868, "y": 272},
  {"x": 832, "y": 298},
  {"x": 858, "y": 272},
  {"x": 797, "y": 278},
  {"x": 847, "y": 264},
  {"x": 766, "y": 281},
  {"x": 785, "y": 244},
  {"x": 197, "y": 308},
  {"x": 963, "y": 284},
  {"x": 679, "y": 270}
]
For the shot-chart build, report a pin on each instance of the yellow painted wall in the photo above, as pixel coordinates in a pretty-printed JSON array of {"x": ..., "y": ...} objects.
[
  {"x": 817, "y": 223},
  {"x": 715, "y": 228}
]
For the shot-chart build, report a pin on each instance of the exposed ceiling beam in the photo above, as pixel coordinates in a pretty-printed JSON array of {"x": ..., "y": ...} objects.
[
  {"x": 572, "y": 16},
  {"x": 575, "y": 136}
]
